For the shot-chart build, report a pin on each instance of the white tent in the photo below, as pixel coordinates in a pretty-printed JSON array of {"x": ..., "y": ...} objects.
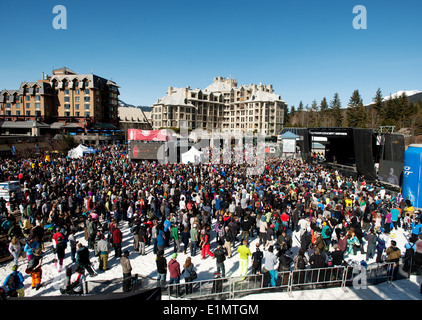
[
  {"x": 79, "y": 151},
  {"x": 192, "y": 156}
]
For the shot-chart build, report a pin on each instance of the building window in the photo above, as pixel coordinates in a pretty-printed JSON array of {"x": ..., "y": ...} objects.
[
  {"x": 67, "y": 114},
  {"x": 77, "y": 114},
  {"x": 37, "y": 105},
  {"x": 77, "y": 91},
  {"x": 87, "y": 114},
  {"x": 18, "y": 105},
  {"x": 28, "y": 112},
  {"x": 77, "y": 106},
  {"x": 67, "y": 91},
  {"x": 27, "y": 98},
  {"x": 87, "y": 107},
  {"x": 77, "y": 99},
  {"x": 7, "y": 105},
  {"x": 27, "y": 105},
  {"x": 38, "y": 113},
  {"x": 87, "y": 99},
  {"x": 8, "y": 113},
  {"x": 67, "y": 106},
  {"x": 18, "y": 113},
  {"x": 66, "y": 99}
]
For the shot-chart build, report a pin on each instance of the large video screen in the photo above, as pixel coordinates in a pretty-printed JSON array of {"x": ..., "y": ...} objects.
[
  {"x": 145, "y": 150},
  {"x": 390, "y": 172}
]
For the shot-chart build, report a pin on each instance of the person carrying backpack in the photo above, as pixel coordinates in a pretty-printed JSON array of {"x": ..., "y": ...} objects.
[{"x": 14, "y": 283}]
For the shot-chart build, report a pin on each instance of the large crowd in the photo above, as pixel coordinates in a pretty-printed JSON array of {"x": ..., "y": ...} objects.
[{"x": 186, "y": 207}]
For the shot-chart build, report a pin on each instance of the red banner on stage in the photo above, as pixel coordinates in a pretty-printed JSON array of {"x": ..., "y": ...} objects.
[{"x": 147, "y": 135}]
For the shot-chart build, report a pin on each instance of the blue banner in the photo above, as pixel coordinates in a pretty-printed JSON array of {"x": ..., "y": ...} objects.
[{"x": 411, "y": 175}]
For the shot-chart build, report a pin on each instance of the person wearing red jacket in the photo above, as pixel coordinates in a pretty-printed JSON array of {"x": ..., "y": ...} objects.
[
  {"x": 284, "y": 217},
  {"x": 174, "y": 270},
  {"x": 116, "y": 241},
  {"x": 205, "y": 243}
]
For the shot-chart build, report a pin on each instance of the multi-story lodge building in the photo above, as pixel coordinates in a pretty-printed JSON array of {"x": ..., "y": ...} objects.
[
  {"x": 65, "y": 97},
  {"x": 221, "y": 106}
]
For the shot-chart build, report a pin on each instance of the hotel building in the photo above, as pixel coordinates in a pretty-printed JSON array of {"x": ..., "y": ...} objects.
[
  {"x": 65, "y": 97},
  {"x": 221, "y": 106}
]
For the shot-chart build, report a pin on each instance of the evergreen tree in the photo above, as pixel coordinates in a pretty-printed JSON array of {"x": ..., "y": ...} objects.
[
  {"x": 377, "y": 101},
  {"x": 406, "y": 110},
  {"x": 376, "y": 109},
  {"x": 324, "y": 112},
  {"x": 313, "y": 115},
  {"x": 301, "y": 115},
  {"x": 356, "y": 112},
  {"x": 335, "y": 110}
]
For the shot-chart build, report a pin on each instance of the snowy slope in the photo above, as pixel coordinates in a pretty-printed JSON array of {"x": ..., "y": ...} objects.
[
  {"x": 408, "y": 93},
  {"x": 145, "y": 266}
]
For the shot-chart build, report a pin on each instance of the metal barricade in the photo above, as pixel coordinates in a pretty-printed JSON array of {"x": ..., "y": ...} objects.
[
  {"x": 219, "y": 288},
  {"x": 228, "y": 288},
  {"x": 312, "y": 278}
]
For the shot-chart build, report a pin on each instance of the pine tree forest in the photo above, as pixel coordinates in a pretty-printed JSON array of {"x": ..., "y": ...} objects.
[{"x": 398, "y": 111}]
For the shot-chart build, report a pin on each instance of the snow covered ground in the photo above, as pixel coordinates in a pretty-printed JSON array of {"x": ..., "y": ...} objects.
[{"x": 407, "y": 289}]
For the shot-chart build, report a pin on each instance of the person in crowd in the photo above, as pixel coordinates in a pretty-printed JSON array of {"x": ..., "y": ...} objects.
[
  {"x": 189, "y": 274},
  {"x": 270, "y": 268},
  {"x": 103, "y": 248},
  {"x": 116, "y": 241},
  {"x": 220, "y": 256},
  {"x": 78, "y": 281},
  {"x": 34, "y": 269},
  {"x": 161, "y": 263},
  {"x": 174, "y": 272},
  {"x": 15, "y": 250},
  {"x": 127, "y": 271},
  {"x": 257, "y": 257},
  {"x": 14, "y": 283},
  {"x": 244, "y": 254},
  {"x": 393, "y": 255},
  {"x": 83, "y": 260}
]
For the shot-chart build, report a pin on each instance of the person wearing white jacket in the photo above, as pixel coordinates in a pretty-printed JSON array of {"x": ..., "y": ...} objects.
[{"x": 15, "y": 249}]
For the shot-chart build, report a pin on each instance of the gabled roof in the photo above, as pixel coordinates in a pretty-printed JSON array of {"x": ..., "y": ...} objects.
[
  {"x": 264, "y": 96},
  {"x": 63, "y": 70},
  {"x": 177, "y": 98},
  {"x": 289, "y": 135}
]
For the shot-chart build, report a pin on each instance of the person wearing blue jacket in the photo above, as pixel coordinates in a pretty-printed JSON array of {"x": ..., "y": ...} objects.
[
  {"x": 326, "y": 234},
  {"x": 30, "y": 246},
  {"x": 416, "y": 227},
  {"x": 167, "y": 231},
  {"x": 380, "y": 248},
  {"x": 395, "y": 217},
  {"x": 17, "y": 289},
  {"x": 161, "y": 239}
]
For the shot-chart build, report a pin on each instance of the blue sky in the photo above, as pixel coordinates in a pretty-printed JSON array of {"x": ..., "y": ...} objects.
[{"x": 307, "y": 49}]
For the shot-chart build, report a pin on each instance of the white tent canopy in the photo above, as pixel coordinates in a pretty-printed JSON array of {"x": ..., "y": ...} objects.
[
  {"x": 79, "y": 151},
  {"x": 192, "y": 156}
]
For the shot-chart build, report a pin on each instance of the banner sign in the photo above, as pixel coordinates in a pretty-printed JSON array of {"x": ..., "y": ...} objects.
[{"x": 147, "y": 135}]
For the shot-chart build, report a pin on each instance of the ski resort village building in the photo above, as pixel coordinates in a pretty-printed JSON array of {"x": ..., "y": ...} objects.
[{"x": 221, "y": 106}]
